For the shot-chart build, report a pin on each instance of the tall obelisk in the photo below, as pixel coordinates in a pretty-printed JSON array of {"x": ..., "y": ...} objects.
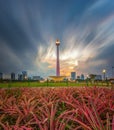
[
  {"x": 57, "y": 77},
  {"x": 57, "y": 60}
]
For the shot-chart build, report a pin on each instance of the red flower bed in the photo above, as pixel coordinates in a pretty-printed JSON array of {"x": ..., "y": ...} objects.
[{"x": 57, "y": 109}]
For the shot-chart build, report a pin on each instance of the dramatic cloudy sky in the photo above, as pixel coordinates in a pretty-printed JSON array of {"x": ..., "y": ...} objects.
[{"x": 29, "y": 29}]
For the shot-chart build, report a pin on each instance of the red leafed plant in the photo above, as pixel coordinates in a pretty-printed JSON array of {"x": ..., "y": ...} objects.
[{"x": 57, "y": 109}]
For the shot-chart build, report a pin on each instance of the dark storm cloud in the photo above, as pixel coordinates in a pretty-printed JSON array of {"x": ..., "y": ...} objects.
[
  {"x": 16, "y": 37},
  {"x": 29, "y": 28}
]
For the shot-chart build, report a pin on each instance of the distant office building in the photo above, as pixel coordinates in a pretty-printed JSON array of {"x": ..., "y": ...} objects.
[
  {"x": 82, "y": 77},
  {"x": 98, "y": 77},
  {"x": 12, "y": 76},
  {"x": 36, "y": 78},
  {"x": 29, "y": 78},
  {"x": 73, "y": 75},
  {"x": 1, "y": 76},
  {"x": 78, "y": 77},
  {"x": 24, "y": 75},
  {"x": 20, "y": 77}
]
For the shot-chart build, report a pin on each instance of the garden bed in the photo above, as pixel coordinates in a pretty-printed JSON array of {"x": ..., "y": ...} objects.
[{"x": 57, "y": 108}]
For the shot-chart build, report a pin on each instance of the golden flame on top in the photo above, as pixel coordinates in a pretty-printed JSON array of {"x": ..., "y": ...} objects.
[
  {"x": 57, "y": 42},
  {"x": 104, "y": 71}
]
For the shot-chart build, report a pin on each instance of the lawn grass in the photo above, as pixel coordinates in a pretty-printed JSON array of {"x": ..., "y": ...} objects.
[{"x": 10, "y": 84}]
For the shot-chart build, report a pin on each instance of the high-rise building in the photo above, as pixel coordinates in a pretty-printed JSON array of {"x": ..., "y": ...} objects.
[
  {"x": 20, "y": 77},
  {"x": 24, "y": 75},
  {"x": 73, "y": 75},
  {"x": 12, "y": 76},
  {"x": 1, "y": 76},
  {"x": 82, "y": 76}
]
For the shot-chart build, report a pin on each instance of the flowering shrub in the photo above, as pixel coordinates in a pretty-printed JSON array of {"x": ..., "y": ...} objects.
[{"x": 57, "y": 109}]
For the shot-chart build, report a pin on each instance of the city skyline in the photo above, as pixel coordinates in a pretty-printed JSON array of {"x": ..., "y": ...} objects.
[{"x": 29, "y": 29}]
